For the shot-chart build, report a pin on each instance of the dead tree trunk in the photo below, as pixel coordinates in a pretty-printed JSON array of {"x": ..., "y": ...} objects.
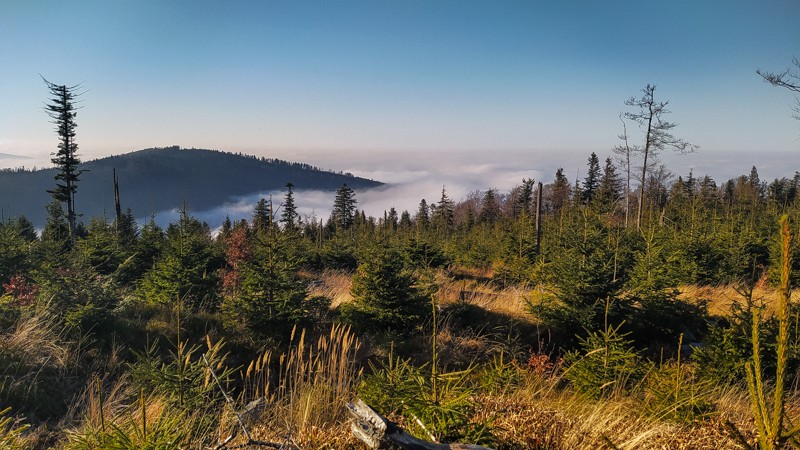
[
  {"x": 117, "y": 207},
  {"x": 538, "y": 217},
  {"x": 380, "y": 433}
]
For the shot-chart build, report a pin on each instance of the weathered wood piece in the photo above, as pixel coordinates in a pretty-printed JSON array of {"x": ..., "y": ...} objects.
[
  {"x": 380, "y": 433},
  {"x": 225, "y": 444}
]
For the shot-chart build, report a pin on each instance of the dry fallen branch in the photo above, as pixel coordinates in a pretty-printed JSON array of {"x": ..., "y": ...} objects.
[
  {"x": 380, "y": 433},
  {"x": 250, "y": 406}
]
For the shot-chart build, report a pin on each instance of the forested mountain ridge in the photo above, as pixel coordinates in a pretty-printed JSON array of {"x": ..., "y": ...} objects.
[{"x": 158, "y": 179}]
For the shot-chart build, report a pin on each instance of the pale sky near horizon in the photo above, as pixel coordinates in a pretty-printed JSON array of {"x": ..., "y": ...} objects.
[{"x": 342, "y": 79}]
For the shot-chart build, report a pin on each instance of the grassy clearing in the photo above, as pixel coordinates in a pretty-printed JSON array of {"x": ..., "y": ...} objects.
[
  {"x": 720, "y": 298},
  {"x": 537, "y": 410},
  {"x": 305, "y": 389},
  {"x": 334, "y": 285},
  {"x": 300, "y": 393}
]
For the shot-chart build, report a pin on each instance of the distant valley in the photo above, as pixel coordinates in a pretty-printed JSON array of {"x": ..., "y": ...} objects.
[{"x": 162, "y": 179}]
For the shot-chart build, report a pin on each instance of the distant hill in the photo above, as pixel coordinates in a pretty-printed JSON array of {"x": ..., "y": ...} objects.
[
  {"x": 9, "y": 156},
  {"x": 160, "y": 179}
]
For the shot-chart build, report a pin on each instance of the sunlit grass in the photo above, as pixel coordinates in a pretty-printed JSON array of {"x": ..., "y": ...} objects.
[{"x": 306, "y": 388}]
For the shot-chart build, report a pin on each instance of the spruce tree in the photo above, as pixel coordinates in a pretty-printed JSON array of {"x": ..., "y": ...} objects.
[
  {"x": 185, "y": 270},
  {"x": 708, "y": 193},
  {"x": 62, "y": 111},
  {"x": 145, "y": 251},
  {"x": 592, "y": 180},
  {"x": 226, "y": 228},
  {"x": 268, "y": 296},
  {"x": 524, "y": 198},
  {"x": 405, "y": 220},
  {"x": 610, "y": 189},
  {"x": 586, "y": 273},
  {"x": 560, "y": 191},
  {"x": 757, "y": 188},
  {"x": 691, "y": 185},
  {"x": 56, "y": 229},
  {"x": 423, "y": 218},
  {"x": 289, "y": 214},
  {"x": 490, "y": 208},
  {"x": 794, "y": 187},
  {"x": 344, "y": 208},
  {"x": 126, "y": 229},
  {"x": 392, "y": 219},
  {"x": 443, "y": 216},
  {"x": 151, "y": 243},
  {"x": 14, "y": 249},
  {"x": 384, "y": 294},
  {"x": 101, "y": 249},
  {"x": 261, "y": 216}
]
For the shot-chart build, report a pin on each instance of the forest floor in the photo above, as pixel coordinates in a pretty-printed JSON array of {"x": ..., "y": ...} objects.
[
  {"x": 539, "y": 412},
  {"x": 520, "y": 392}
]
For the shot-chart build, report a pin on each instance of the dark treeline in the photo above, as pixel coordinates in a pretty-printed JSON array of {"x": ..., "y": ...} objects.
[{"x": 164, "y": 179}]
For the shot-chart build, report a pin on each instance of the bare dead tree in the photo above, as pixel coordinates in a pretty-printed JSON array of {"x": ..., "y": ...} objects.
[
  {"x": 624, "y": 154},
  {"x": 788, "y": 79},
  {"x": 657, "y": 134}
]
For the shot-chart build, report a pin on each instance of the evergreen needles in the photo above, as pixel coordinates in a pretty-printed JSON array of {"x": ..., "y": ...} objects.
[{"x": 770, "y": 424}]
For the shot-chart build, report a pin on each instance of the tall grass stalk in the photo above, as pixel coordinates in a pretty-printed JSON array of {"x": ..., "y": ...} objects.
[
  {"x": 434, "y": 353},
  {"x": 11, "y": 431},
  {"x": 146, "y": 423},
  {"x": 311, "y": 383}
]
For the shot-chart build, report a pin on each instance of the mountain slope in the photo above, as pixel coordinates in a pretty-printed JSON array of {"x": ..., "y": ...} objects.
[{"x": 159, "y": 179}]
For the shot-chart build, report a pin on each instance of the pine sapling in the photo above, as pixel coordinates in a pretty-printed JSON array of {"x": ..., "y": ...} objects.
[{"x": 770, "y": 425}]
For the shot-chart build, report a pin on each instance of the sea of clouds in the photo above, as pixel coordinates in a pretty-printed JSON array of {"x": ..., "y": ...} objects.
[{"x": 410, "y": 176}]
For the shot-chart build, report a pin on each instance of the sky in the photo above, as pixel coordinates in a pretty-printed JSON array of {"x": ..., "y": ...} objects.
[{"x": 404, "y": 91}]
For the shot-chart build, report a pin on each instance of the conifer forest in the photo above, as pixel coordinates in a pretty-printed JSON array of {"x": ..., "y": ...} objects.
[{"x": 631, "y": 308}]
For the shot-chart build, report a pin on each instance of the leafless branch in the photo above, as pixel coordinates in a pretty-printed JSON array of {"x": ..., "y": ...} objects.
[{"x": 250, "y": 406}]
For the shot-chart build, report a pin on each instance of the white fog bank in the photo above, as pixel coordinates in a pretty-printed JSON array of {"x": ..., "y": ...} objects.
[{"x": 413, "y": 175}]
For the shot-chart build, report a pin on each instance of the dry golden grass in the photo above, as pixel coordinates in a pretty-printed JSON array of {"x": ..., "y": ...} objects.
[
  {"x": 544, "y": 415},
  {"x": 570, "y": 422},
  {"x": 306, "y": 390},
  {"x": 720, "y": 298},
  {"x": 541, "y": 414},
  {"x": 334, "y": 285},
  {"x": 510, "y": 301},
  {"x": 107, "y": 418},
  {"x": 38, "y": 341}
]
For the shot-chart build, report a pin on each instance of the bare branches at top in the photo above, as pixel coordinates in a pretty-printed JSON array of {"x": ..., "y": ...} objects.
[{"x": 788, "y": 79}]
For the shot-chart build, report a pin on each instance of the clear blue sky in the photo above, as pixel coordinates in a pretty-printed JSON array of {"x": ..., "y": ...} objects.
[{"x": 272, "y": 77}]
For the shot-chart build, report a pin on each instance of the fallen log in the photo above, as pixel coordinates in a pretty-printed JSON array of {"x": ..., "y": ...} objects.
[{"x": 381, "y": 433}]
